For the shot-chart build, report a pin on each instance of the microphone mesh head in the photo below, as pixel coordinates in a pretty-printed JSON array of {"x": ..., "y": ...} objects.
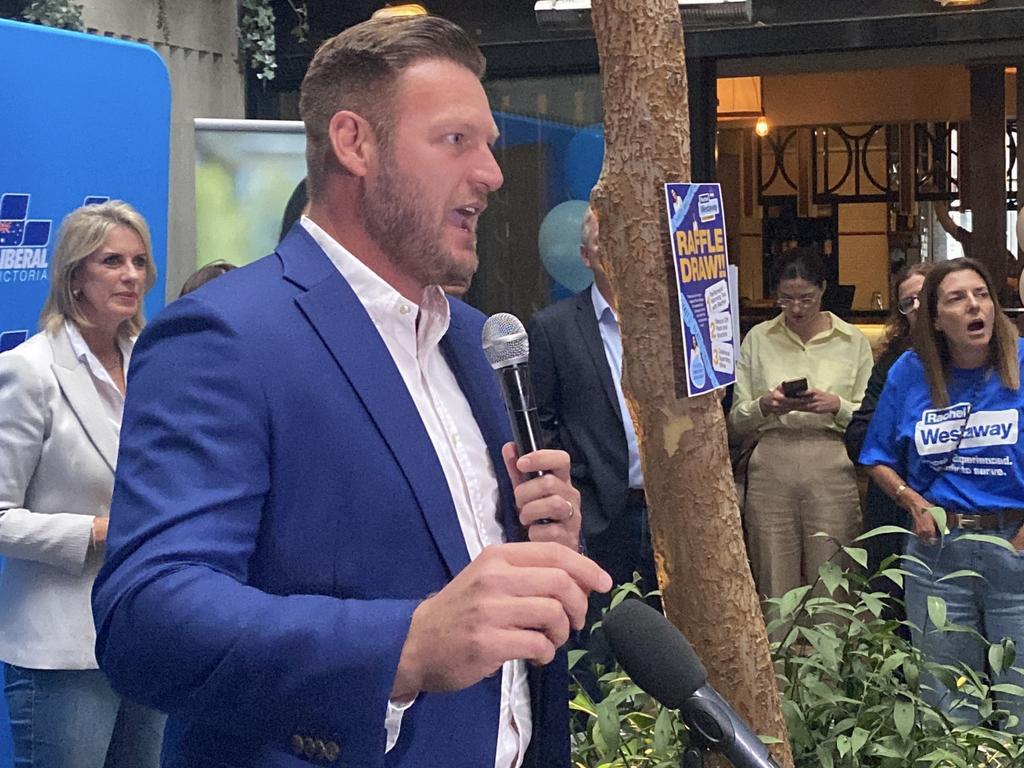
[
  {"x": 505, "y": 341},
  {"x": 653, "y": 652}
]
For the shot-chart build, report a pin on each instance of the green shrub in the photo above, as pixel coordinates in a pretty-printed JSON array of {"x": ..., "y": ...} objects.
[{"x": 850, "y": 682}]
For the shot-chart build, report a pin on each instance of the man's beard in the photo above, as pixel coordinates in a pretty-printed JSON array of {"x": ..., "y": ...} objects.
[{"x": 397, "y": 220}]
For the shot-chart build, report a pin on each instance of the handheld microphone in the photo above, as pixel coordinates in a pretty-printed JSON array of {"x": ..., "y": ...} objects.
[
  {"x": 507, "y": 348},
  {"x": 661, "y": 661}
]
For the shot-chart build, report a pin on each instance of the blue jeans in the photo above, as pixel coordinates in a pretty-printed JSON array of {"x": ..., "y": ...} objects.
[
  {"x": 993, "y": 605},
  {"x": 74, "y": 719}
]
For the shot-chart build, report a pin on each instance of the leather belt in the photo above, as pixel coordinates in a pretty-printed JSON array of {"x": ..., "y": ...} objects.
[
  {"x": 984, "y": 521},
  {"x": 635, "y": 497}
]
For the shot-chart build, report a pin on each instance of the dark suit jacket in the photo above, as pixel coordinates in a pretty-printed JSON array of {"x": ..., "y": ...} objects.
[
  {"x": 578, "y": 407},
  {"x": 279, "y": 513}
]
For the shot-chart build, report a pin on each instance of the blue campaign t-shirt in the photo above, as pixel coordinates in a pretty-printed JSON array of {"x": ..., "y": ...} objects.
[{"x": 966, "y": 457}]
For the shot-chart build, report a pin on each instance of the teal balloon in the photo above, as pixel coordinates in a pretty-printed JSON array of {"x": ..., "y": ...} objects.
[
  {"x": 559, "y": 243},
  {"x": 583, "y": 159}
]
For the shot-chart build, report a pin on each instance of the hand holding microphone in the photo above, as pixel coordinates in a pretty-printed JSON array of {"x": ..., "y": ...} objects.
[
  {"x": 514, "y": 601},
  {"x": 548, "y": 504}
]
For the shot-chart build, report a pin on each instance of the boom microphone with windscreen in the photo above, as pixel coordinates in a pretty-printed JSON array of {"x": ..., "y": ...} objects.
[
  {"x": 507, "y": 348},
  {"x": 661, "y": 661}
]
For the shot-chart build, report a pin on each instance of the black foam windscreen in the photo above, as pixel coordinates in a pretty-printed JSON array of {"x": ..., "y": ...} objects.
[{"x": 653, "y": 652}]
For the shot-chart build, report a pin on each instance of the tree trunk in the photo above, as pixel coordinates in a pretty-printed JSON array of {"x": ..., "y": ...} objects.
[{"x": 695, "y": 522}]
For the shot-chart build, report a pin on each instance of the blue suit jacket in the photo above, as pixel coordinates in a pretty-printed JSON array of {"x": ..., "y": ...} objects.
[{"x": 279, "y": 513}]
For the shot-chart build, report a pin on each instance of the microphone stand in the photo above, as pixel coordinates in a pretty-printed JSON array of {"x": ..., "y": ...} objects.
[{"x": 693, "y": 756}]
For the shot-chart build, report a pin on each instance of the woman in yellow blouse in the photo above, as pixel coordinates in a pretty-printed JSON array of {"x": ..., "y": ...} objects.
[{"x": 800, "y": 480}]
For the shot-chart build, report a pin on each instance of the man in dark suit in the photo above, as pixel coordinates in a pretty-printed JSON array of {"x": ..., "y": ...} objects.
[
  {"x": 322, "y": 548},
  {"x": 576, "y": 368}
]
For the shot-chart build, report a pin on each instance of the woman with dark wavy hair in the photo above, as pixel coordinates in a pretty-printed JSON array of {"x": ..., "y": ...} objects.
[
  {"x": 878, "y": 508},
  {"x": 946, "y": 433}
]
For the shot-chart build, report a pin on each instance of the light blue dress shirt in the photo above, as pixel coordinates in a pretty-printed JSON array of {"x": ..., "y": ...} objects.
[{"x": 608, "y": 323}]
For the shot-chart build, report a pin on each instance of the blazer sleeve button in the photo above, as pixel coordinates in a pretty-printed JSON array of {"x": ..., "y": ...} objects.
[
  {"x": 309, "y": 747},
  {"x": 331, "y": 751},
  {"x": 297, "y": 744},
  {"x": 318, "y": 745}
]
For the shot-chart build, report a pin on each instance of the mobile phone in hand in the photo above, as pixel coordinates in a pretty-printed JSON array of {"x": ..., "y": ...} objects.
[{"x": 794, "y": 387}]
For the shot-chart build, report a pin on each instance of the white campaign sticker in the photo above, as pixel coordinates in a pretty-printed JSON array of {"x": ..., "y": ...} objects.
[
  {"x": 942, "y": 430},
  {"x": 722, "y": 357},
  {"x": 716, "y": 297},
  {"x": 720, "y": 326}
]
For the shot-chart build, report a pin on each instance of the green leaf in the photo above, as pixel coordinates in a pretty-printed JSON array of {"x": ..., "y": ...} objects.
[
  {"x": 1009, "y": 688},
  {"x": 960, "y": 574},
  {"x": 937, "y": 611},
  {"x": 911, "y": 673},
  {"x": 988, "y": 539},
  {"x": 903, "y": 717},
  {"x": 575, "y": 656},
  {"x": 891, "y": 662},
  {"x": 663, "y": 731},
  {"x": 859, "y": 555},
  {"x": 881, "y": 530},
  {"x": 995, "y": 658},
  {"x": 939, "y": 516},
  {"x": 791, "y": 600},
  {"x": 874, "y": 604},
  {"x": 831, "y": 576},
  {"x": 895, "y": 575},
  {"x": 858, "y": 740},
  {"x": 608, "y": 725},
  {"x": 843, "y": 745},
  {"x": 624, "y": 591}
]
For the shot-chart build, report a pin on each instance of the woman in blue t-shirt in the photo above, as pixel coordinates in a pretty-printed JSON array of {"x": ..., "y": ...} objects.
[{"x": 946, "y": 433}]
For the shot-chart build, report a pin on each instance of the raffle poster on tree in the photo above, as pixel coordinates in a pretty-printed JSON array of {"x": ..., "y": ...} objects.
[{"x": 697, "y": 228}]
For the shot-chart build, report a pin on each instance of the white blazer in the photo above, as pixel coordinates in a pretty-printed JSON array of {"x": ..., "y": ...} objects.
[{"x": 58, "y": 450}]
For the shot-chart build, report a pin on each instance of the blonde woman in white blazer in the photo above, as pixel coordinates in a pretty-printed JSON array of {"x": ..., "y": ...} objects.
[{"x": 61, "y": 396}]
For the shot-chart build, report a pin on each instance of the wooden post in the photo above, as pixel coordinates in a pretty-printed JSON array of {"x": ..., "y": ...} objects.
[
  {"x": 695, "y": 522},
  {"x": 986, "y": 147}
]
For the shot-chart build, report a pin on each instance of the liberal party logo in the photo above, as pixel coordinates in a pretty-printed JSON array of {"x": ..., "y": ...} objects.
[
  {"x": 23, "y": 241},
  {"x": 11, "y": 339},
  {"x": 945, "y": 429}
]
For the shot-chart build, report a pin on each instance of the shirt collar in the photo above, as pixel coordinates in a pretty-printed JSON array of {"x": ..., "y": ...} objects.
[
  {"x": 83, "y": 353},
  {"x": 601, "y": 305},
  {"x": 778, "y": 325},
  {"x": 384, "y": 304}
]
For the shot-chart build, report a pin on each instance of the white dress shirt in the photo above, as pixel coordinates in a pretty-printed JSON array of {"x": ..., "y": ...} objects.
[
  {"x": 412, "y": 334},
  {"x": 611, "y": 338},
  {"x": 110, "y": 395}
]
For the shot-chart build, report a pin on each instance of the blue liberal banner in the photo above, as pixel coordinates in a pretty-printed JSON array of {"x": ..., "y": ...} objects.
[
  {"x": 89, "y": 120},
  {"x": 697, "y": 227},
  {"x": 86, "y": 119}
]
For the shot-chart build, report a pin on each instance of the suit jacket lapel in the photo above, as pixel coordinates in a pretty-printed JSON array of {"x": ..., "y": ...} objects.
[
  {"x": 339, "y": 318},
  {"x": 461, "y": 347},
  {"x": 80, "y": 391},
  {"x": 591, "y": 334}
]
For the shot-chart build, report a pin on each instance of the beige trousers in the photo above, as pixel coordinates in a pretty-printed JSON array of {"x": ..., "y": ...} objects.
[{"x": 799, "y": 482}]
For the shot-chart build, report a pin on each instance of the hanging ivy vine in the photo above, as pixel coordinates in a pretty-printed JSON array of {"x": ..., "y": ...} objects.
[
  {"x": 62, "y": 14},
  {"x": 256, "y": 18},
  {"x": 256, "y": 33}
]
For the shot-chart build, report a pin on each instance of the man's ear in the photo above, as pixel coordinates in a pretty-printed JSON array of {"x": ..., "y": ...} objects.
[{"x": 353, "y": 142}]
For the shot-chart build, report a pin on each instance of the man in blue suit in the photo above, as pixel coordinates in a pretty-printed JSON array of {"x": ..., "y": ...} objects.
[{"x": 323, "y": 549}]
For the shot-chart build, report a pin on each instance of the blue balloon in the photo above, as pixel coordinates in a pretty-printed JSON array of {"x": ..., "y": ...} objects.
[
  {"x": 559, "y": 242},
  {"x": 583, "y": 159}
]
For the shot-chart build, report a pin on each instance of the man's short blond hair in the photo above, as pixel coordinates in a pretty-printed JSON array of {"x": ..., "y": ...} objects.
[{"x": 357, "y": 70}]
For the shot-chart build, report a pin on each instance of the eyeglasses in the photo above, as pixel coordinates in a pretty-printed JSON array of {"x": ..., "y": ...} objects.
[
  {"x": 806, "y": 301},
  {"x": 908, "y": 304}
]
